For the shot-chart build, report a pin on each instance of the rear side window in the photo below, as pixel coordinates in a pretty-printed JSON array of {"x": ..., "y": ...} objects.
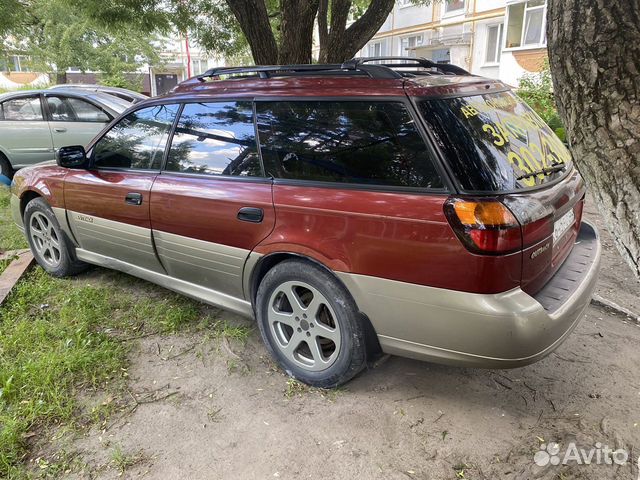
[
  {"x": 215, "y": 139},
  {"x": 495, "y": 142},
  {"x": 138, "y": 140},
  {"x": 374, "y": 143},
  {"x": 22, "y": 109}
]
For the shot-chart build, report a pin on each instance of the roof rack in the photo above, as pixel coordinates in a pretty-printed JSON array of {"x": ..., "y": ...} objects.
[
  {"x": 407, "y": 62},
  {"x": 355, "y": 66}
]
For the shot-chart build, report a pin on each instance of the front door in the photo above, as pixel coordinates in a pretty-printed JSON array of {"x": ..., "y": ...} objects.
[
  {"x": 24, "y": 133},
  {"x": 211, "y": 205},
  {"x": 108, "y": 205},
  {"x": 73, "y": 121}
]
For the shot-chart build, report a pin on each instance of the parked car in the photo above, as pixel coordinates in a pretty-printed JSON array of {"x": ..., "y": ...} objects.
[
  {"x": 35, "y": 123},
  {"x": 351, "y": 209},
  {"x": 124, "y": 94}
]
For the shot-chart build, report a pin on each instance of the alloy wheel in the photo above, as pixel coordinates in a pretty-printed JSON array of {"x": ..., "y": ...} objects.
[
  {"x": 45, "y": 239},
  {"x": 304, "y": 325}
]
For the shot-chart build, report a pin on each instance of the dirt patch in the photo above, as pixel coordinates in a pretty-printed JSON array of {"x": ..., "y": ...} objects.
[{"x": 201, "y": 408}]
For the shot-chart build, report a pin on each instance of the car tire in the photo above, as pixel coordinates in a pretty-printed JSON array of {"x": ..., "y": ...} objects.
[
  {"x": 50, "y": 246},
  {"x": 310, "y": 324},
  {"x": 5, "y": 167}
]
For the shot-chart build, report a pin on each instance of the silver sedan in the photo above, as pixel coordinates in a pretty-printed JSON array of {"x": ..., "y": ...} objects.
[{"x": 35, "y": 123}]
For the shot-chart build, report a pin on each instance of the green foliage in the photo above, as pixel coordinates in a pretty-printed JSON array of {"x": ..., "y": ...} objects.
[
  {"x": 57, "y": 36},
  {"x": 536, "y": 89}
]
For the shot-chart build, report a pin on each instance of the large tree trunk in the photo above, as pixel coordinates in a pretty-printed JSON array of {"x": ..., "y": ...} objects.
[
  {"x": 594, "y": 52},
  {"x": 298, "y": 18},
  {"x": 253, "y": 18},
  {"x": 344, "y": 43}
]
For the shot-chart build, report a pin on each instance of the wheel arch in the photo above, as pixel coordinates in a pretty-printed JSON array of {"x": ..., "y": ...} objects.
[
  {"x": 26, "y": 197},
  {"x": 270, "y": 260}
]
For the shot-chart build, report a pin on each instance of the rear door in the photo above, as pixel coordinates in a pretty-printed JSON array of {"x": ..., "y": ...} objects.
[
  {"x": 108, "y": 205},
  {"x": 211, "y": 205},
  {"x": 74, "y": 121},
  {"x": 24, "y": 133}
]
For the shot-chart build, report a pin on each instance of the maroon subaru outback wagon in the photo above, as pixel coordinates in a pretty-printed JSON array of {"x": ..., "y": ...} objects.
[{"x": 381, "y": 205}]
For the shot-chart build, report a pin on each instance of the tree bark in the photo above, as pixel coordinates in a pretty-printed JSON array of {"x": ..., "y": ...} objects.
[
  {"x": 594, "y": 52},
  {"x": 296, "y": 42},
  {"x": 323, "y": 29},
  {"x": 253, "y": 18},
  {"x": 345, "y": 43}
]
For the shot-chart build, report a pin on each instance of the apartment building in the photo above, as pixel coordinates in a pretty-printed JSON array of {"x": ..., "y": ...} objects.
[{"x": 501, "y": 39}]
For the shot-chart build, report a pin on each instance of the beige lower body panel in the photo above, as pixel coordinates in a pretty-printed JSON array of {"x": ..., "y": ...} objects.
[
  {"x": 209, "y": 264},
  {"x": 192, "y": 290},
  {"x": 503, "y": 330},
  {"x": 14, "y": 204},
  {"x": 129, "y": 243}
]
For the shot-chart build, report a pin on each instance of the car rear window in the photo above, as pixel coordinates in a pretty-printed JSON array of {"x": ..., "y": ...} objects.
[{"x": 495, "y": 142}]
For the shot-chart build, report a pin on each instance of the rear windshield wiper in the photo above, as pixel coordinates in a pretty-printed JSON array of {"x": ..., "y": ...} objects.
[{"x": 555, "y": 168}]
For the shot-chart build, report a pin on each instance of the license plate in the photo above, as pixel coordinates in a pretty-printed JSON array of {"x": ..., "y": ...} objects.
[{"x": 562, "y": 225}]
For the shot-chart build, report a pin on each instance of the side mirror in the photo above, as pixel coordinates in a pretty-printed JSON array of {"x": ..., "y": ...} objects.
[{"x": 72, "y": 157}]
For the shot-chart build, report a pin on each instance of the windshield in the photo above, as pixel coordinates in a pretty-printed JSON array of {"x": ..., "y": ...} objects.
[{"x": 495, "y": 142}]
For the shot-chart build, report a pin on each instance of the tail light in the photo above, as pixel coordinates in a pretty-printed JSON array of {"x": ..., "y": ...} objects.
[{"x": 484, "y": 226}]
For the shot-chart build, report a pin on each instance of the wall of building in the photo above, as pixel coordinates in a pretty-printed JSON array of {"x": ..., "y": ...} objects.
[{"x": 459, "y": 36}]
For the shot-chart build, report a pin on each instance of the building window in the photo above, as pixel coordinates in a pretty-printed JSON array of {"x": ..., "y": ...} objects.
[
  {"x": 526, "y": 24},
  {"x": 494, "y": 44},
  {"x": 405, "y": 3},
  {"x": 408, "y": 43},
  {"x": 453, "y": 6},
  {"x": 442, "y": 55},
  {"x": 375, "y": 49}
]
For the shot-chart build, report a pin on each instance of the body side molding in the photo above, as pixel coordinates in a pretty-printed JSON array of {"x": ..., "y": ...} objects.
[{"x": 197, "y": 292}]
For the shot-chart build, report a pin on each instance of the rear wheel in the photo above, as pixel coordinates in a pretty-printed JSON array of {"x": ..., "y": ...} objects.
[
  {"x": 49, "y": 245},
  {"x": 310, "y": 324}
]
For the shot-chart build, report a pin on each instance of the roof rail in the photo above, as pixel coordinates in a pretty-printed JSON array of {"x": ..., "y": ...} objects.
[
  {"x": 383, "y": 68},
  {"x": 268, "y": 71},
  {"x": 407, "y": 62}
]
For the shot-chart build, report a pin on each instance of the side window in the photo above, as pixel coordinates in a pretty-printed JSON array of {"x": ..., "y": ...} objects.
[
  {"x": 137, "y": 141},
  {"x": 59, "y": 109},
  {"x": 87, "y": 112},
  {"x": 23, "y": 108},
  {"x": 66, "y": 109},
  {"x": 375, "y": 143},
  {"x": 215, "y": 139}
]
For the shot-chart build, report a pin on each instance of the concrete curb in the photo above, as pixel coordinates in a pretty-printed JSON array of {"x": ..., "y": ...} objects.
[{"x": 603, "y": 302}]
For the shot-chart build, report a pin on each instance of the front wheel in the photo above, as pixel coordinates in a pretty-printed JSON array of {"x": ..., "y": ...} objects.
[
  {"x": 310, "y": 324},
  {"x": 49, "y": 245}
]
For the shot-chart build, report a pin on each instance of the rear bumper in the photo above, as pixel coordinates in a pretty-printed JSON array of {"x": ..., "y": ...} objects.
[{"x": 503, "y": 330}]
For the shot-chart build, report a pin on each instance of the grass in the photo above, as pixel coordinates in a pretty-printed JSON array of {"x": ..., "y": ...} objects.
[
  {"x": 10, "y": 237},
  {"x": 62, "y": 337}
]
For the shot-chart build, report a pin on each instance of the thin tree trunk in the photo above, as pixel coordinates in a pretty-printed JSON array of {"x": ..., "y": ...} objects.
[
  {"x": 298, "y": 17},
  {"x": 253, "y": 18},
  {"x": 594, "y": 51}
]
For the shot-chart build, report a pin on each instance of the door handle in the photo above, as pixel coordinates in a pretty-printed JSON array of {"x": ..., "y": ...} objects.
[
  {"x": 60, "y": 129},
  {"x": 251, "y": 214},
  {"x": 133, "y": 198}
]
